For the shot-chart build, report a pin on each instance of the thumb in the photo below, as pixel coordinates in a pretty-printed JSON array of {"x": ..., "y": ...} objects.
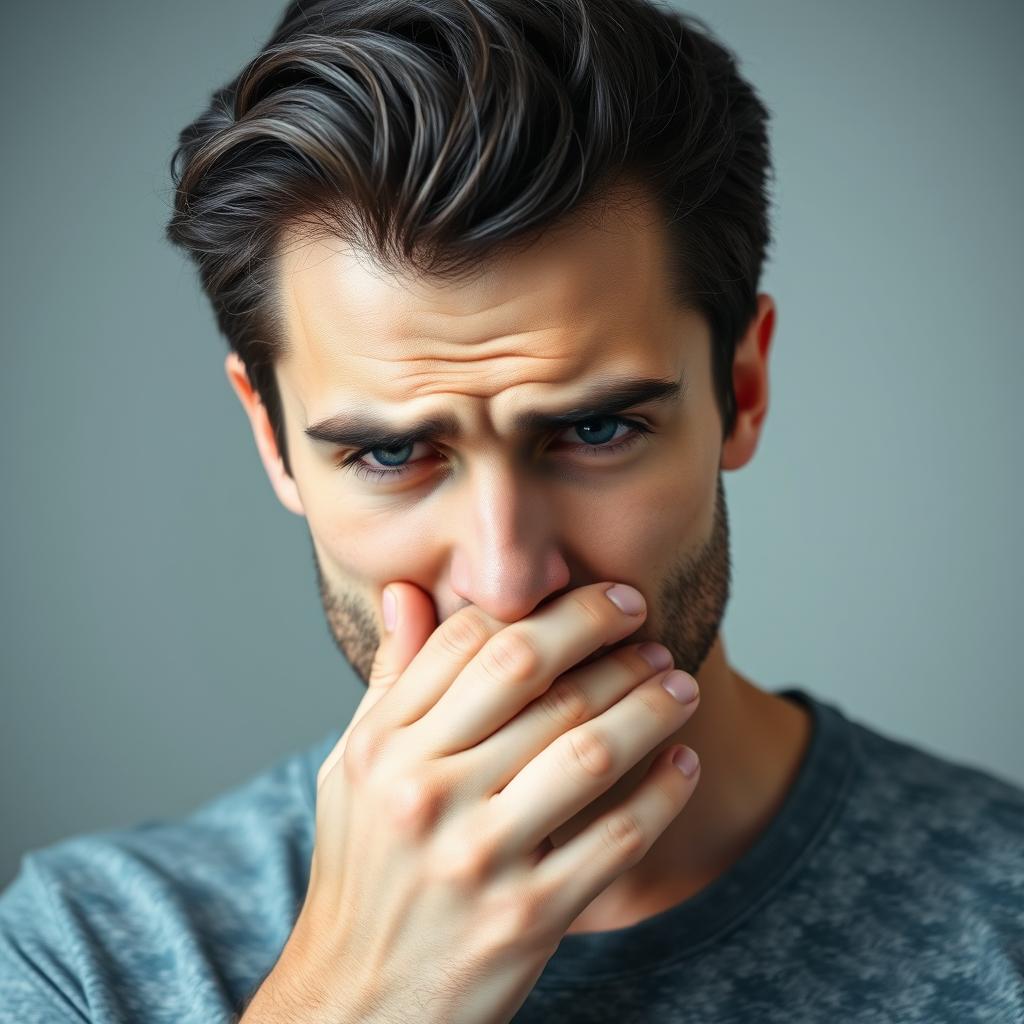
[{"x": 414, "y": 621}]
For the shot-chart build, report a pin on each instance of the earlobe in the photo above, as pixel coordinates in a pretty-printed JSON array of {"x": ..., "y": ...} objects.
[{"x": 263, "y": 433}]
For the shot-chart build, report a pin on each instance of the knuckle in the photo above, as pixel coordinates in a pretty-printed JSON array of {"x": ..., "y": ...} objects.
[
  {"x": 624, "y": 836},
  {"x": 630, "y": 660},
  {"x": 593, "y": 610},
  {"x": 362, "y": 750},
  {"x": 669, "y": 792},
  {"x": 654, "y": 707},
  {"x": 585, "y": 752},
  {"x": 466, "y": 863},
  {"x": 517, "y": 918},
  {"x": 636, "y": 665},
  {"x": 510, "y": 656},
  {"x": 565, "y": 703},
  {"x": 413, "y": 803},
  {"x": 463, "y": 633}
]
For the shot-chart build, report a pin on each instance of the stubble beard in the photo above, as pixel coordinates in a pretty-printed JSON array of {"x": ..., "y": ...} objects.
[{"x": 688, "y": 612}]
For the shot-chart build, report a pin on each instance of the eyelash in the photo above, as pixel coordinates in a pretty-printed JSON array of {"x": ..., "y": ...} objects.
[{"x": 361, "y": 469}]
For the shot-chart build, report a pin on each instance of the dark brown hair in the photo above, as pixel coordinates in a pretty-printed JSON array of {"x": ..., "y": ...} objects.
[{"x": 432, "y": 134}]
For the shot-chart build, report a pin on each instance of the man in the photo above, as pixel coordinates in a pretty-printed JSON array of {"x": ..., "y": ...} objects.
[{"x": 497, "y": 371}]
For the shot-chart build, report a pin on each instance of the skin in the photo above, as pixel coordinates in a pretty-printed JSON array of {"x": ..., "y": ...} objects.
[{"x": 483, "y": 520}]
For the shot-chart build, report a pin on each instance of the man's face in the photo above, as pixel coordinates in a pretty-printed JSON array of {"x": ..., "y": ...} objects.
[{"x": 492, "y": 516}]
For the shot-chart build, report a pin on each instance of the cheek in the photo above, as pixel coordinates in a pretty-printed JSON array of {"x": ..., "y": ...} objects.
[
  {"x": 631, "y": 535},
  {"x": 626, "y": 531},
  {"x": 373, "y": 544}
]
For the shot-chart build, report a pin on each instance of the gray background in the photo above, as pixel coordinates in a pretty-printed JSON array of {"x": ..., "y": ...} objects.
[{"x": 161, "y": 634}]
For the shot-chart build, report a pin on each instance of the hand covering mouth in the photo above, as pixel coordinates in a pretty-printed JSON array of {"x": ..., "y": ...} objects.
[{"x": 599, "y": 653}]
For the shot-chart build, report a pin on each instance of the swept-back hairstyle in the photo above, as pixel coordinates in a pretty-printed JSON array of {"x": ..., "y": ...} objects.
[{"x": 432, "y": 134}]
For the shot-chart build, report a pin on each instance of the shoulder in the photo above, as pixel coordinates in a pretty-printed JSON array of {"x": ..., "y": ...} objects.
[
  {"x": 956, "y": 828},
  {"x": 231, "y": 837},
  {"x": 147, "y": 905},
  {"x": 941, "y": 796}
]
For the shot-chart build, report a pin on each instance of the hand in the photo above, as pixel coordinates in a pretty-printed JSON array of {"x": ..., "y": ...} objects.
[{"x": 434, "y": 892}]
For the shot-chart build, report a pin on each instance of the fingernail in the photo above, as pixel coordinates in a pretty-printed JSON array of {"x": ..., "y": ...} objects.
[
  {"x": 626, "y": 599},
  {"x": 390, "y": 610},
  {"x": 681, "y": 686},
  {"x": 686, "y": 761},
  {"x": 655, "y": 655}
]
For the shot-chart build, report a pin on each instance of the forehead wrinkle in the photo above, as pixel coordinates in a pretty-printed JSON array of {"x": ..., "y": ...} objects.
[
  {"x": 421, "y": 371},
  {"x": 481, "y": 368},
  {"x": 551, "y": 376},
  {"x": 362, "y": 335},
  {"x": 483, "y": 386},
  {"x": 443, "y": 349}
]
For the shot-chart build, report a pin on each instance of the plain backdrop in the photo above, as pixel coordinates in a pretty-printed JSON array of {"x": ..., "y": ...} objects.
[{"x": 161, "y": 634}]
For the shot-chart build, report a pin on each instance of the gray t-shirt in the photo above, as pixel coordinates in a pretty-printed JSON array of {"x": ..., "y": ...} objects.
[{"x": 889, "y": 887}]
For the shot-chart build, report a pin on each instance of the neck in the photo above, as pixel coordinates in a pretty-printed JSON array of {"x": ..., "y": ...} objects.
[{"x": 751, "y": 744}]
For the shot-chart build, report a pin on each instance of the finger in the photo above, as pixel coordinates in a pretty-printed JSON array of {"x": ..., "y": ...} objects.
[
  {"x": 572, "y": 875},
  {"x": 446, "y": 652},
  {"x": 519, "y": 665},
  {"x": 584, "y": 762},
  {"x": 415, "y": 620},
  {"x": 575, "y": 697}
]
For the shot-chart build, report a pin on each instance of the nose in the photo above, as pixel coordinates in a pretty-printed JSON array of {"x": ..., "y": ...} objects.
[{"x": 506, "y": 549}]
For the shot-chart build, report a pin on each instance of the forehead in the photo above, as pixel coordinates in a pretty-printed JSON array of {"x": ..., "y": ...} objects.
[{"x": 591, "y": 297}]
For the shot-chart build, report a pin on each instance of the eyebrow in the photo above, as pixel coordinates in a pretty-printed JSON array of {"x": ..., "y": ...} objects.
[{"x": 605, "y": 396}]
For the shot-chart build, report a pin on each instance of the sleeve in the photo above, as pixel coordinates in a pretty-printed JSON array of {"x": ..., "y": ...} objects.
[{"x": 37, "y": 979}]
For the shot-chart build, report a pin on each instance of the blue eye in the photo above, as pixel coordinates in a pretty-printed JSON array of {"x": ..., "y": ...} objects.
[{"x": 585, "y": 427}]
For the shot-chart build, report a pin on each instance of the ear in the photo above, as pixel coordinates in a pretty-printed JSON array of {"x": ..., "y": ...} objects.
[
  {"x": 262, "y": 430},
  {"x": 750, "y": 383}
]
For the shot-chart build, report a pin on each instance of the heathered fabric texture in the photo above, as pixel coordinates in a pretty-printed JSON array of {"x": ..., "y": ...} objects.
[{"x": 890, "y": 887}]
